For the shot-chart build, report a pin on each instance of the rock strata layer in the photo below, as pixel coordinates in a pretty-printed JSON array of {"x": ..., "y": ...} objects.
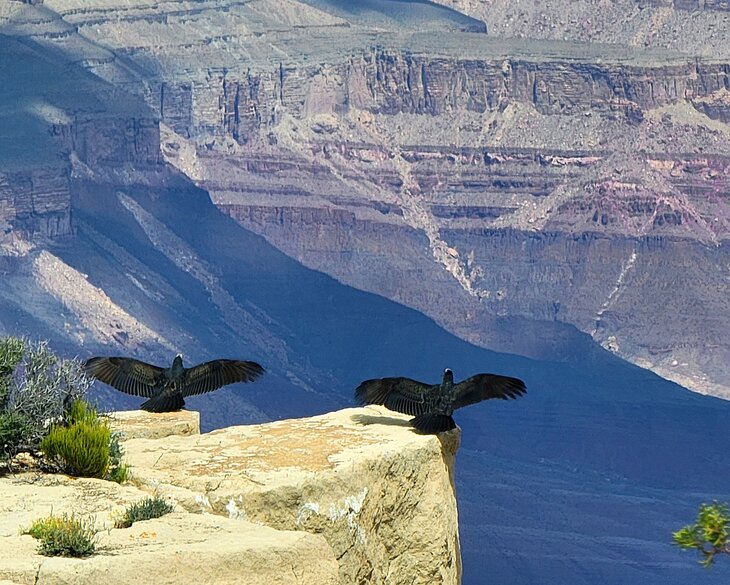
[{"x": 572, "y": 184}]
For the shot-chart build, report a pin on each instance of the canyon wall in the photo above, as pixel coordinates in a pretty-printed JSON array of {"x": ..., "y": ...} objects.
[
  {"x": 695, "y": 27},
  {"x": 569, "y": 181},
  {"x": 558, "y": 191},
  {"x": 59, "y": 122},
  {"x": 35, "y": 203}
]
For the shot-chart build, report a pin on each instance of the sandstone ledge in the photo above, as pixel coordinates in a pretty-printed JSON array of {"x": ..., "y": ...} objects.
[
  {"x": 354, "y": 496},
  {"x": 139, "y": 424},
  {"x": 168, "y": 550}
]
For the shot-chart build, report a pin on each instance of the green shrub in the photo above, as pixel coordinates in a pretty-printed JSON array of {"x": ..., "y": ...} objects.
[
  {"x": 150, "y": 507},
  {"x": 14, "y": 428},
  {"x": 84, "y": 446},
  {"x": 80, "y": 447},
  {"x": 80, "y": 412},
  {"x": 37, "y": 387},
  {"x": 118, "y": 471},
  {"x": 709, "y": 535},
  {"x": 64, "y": 536}
]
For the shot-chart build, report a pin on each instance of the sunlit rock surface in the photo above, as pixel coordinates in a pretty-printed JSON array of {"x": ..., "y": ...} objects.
[
  {"x": 140, "y": 424},
  {"x": 354, "y": 496},
  {"x": 380, "y": 494}
]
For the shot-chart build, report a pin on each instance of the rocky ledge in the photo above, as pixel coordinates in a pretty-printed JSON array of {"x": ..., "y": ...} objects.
[{"x": 353, "y": 496}]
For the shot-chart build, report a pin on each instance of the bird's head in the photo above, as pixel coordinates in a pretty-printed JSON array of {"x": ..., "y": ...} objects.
[
  {"x": 177, "y": 362},
  {"x": 448, "y": 376}
]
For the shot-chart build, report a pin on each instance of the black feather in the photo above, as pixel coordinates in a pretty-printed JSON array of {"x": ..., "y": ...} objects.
[
  {"x": 163, "y": 403},
  {"x": 433, "y": 423},
  {"x": 486, "y": 386},
  {"x": 399, "y": 394}
]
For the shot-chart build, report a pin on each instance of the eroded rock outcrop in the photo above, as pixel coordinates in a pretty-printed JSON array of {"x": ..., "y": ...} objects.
[
  {"x": 380, "y": 494},
  {"x": 353, "y": 496},
  {"x": 59, "y": 121}
]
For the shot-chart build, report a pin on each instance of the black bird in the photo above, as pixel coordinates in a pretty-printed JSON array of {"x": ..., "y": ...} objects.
[
  {"x": 433, "y": 405},
  {"x": 166, "y": 387}
]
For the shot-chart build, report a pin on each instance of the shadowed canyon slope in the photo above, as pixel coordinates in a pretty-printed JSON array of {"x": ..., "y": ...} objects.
[
  {"x": 551, "y": 180},
  {"x": 445, "y": 172}
]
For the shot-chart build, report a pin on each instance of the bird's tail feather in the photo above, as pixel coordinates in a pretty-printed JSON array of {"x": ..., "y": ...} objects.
[
  {"x": 433, "y": 423},
  {"x": 163, "y": 403}
]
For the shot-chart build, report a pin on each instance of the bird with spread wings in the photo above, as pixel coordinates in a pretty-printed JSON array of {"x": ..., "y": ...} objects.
[
  {"x": 166, "y": 388},
  {"x": 433, "y": 404}
]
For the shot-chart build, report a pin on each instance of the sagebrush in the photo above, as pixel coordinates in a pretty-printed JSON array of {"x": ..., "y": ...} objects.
[
  {"x": 36, "y": 387},
  {"x": 11, "y": 352}
]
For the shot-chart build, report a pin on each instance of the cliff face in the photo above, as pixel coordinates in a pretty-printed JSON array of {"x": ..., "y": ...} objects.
[
  {"x": 350, "y": 497},
  {"x": 59, "y": 122},
  {"x": 696, "y": 27},
  {"x": 554, "y": 190},
  {"x": 381, "y": 495},
  {"x": 35, "y": 203}
]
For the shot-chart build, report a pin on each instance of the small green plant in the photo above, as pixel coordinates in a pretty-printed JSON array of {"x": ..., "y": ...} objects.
[
  {"x": 64, "y": 536},
  {"x": 709, "y": 535},
  {"x": 84, "y": 446},
  {"x": 150, "y": 507},
  {"x": 80, "y": 447},
  {"x": 118, "y": 471}
]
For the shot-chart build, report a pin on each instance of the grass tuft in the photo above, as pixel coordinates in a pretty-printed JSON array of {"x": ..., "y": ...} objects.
[{"x": 150, "y": 507}]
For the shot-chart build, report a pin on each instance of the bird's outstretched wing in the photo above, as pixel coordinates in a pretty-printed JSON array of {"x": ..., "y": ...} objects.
[
  {"x": 125, "y": 374},
  {"x": 399, "y": 394},
  {"x": 486, "y": 386},
  {"x": 210, "y": 376}
]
